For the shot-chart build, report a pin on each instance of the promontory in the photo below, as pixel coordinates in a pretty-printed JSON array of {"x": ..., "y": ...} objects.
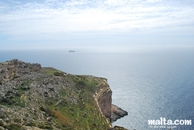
[{"x": 33, "y": 97}]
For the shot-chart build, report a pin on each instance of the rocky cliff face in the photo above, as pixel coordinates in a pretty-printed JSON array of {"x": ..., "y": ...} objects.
[
  {"x": 32, "y": 97},
  {"x": 103, "y": 97}
]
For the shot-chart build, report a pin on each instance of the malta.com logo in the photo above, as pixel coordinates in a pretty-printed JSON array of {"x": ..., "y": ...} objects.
[{"x": 169, "y": 124}]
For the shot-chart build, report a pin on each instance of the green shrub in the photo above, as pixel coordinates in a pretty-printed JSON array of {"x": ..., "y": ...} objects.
[{"x": 14, "y": 127}]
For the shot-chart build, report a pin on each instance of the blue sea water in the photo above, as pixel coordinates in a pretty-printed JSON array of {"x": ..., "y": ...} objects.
[{"x": 149, "y": 84}]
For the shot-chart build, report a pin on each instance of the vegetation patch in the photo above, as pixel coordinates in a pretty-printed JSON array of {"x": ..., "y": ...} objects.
[
  {"x": 16, "y": 97},
  {"x": 14, "y": 127}
]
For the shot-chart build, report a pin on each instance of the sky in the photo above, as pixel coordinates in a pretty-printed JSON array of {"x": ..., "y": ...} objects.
[{"x": 48, "y": 24}]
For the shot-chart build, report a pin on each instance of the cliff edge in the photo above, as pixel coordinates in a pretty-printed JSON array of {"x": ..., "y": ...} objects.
[{"x": 36, "y": 98}]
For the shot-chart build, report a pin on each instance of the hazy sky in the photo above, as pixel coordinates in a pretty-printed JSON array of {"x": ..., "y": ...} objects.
[{"x": 94, "y": 23}]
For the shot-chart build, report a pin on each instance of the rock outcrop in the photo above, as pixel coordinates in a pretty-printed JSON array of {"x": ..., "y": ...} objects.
[
  {"x": 34, "y": 97},
  {"x": 117, "y": 113}
]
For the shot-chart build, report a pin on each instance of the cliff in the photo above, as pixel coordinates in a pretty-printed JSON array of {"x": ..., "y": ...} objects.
[{"x": 35, "y": 98}]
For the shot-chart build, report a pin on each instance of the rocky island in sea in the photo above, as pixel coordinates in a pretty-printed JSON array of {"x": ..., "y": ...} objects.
[{"x": 43, "y": 98}]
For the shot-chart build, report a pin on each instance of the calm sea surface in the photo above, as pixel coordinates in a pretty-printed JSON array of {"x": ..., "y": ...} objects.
[{"x": 148, "y": 84}]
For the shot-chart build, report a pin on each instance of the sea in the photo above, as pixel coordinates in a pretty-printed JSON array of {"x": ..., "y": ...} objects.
[{"x": 150, "y": 84}]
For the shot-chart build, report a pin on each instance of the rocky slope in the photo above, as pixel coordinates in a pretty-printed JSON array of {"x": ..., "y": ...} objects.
[{"x": 35, "y": 98}]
